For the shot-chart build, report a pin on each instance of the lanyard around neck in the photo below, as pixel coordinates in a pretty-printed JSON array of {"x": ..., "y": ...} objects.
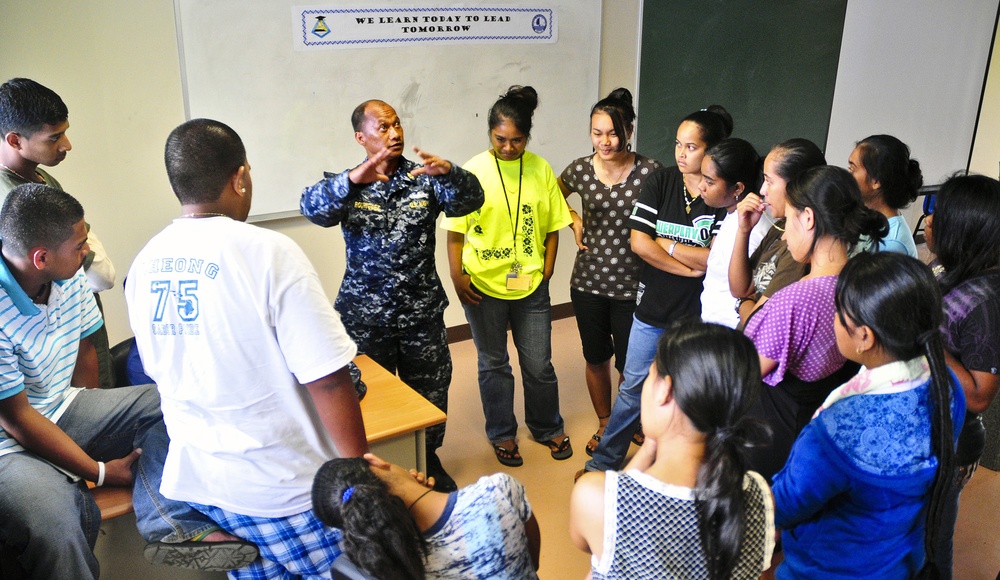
[{"x": 517, "y": 211}]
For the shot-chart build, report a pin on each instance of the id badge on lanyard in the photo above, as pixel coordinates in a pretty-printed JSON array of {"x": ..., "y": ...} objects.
[{"x": 516, "y": 280}]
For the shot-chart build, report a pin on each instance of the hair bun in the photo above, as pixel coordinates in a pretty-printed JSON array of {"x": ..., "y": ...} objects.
[
  {"x": 526, "y": 94},
  {"x": 621, "y": 94},
  {"x": 727, "y": 119},
  {"x": 916, "y": 177}
]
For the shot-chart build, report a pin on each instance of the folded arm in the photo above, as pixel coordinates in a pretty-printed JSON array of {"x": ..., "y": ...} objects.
[
  {"x": 692, "y": 257},
  {"x": 655, "y": 255}
]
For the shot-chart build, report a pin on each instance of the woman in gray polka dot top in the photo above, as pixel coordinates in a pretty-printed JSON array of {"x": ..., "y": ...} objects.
[{"x": 606, "y": 272}]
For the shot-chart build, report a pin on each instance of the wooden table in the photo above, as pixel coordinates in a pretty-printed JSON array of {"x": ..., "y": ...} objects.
[{"x": 396, "y": 417}]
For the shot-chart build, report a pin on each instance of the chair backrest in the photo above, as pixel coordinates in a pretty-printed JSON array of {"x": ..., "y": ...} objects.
[{"x": 930, "y": 197}]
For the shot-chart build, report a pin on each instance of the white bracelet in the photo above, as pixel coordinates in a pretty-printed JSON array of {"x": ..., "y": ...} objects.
[
  {"x": 670, "y": 252},
  {"x": 100, "y": 474}
]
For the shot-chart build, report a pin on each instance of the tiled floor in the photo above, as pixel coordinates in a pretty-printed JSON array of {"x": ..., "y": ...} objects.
[{"x": 467, "y": 455}]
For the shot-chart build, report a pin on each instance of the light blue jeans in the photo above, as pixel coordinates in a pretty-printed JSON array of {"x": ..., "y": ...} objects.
[
  {"x": 530, "y": 320},
  {"x": 624, "y": 420},
  {"x": 52, "y": 521}
]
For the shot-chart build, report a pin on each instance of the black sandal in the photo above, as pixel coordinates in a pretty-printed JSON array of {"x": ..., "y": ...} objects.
[
  {"x": 208, "y": 556},
  {"x": 508, "y": 457},
  {"x": 597, "y": 441},
  {"x": 639, "y": 437},
  {"x": 559, "y": 451},
  {"x": 588, "y": 449}
]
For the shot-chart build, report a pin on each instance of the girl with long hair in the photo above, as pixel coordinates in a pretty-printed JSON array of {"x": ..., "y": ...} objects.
[
  {"x": 863, "y": 492},
  {"x": 793, "y": 330},
  {"x": 396, "y": 528},
  {"x": 964, "y": 234},
  {"x": 686, "y": 507},
  {"x": 606, "y": 271}
]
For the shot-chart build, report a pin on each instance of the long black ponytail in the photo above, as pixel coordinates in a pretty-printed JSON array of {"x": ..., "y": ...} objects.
[
  {"x": 716, "y": 376},
  {"x": 897, "y": 297}
]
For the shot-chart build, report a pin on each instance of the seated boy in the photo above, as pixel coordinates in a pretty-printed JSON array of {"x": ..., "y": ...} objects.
[
  {"x": 249, "y": 357},
  {"x": 53, "y": 435}
]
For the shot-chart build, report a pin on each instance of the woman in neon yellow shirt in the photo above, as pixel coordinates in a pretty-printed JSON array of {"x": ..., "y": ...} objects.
[{"x": 501, "y": 258}]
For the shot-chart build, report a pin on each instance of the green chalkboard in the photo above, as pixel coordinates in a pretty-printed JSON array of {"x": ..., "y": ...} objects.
[{"x": 771, "y": 64}]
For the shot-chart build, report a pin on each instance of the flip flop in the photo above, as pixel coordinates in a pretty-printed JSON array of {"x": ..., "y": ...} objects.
[
  {"x": 596, "y": 437},
  {"x": 508, "y": 457},
  {"x": 208, "y": 556},
  {"x": 559, "y": 451},
  {"x": 639, "y": 437},
  {"x": 590, "y": 449}
]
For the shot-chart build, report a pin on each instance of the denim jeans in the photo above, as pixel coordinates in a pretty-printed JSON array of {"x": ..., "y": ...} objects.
[
  {"x": 944, "y": 541},
  {"x": 52, "y": 521},
  {"x": 530, "y": 320},
  {"x": 624, "y": 420}
]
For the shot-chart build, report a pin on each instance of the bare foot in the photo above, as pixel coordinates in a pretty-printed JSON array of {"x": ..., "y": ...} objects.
[{"x": 221, "y": 536}]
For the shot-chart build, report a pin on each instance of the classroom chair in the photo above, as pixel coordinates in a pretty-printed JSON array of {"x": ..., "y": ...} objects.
[{"x": 930, "y": 195}]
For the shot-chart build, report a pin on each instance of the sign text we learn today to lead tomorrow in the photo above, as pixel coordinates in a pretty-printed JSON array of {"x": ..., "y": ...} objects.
[{"x": 359, "y": 27}]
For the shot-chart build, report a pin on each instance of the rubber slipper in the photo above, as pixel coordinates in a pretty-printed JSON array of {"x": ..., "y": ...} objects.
[
  {"x": 559, "y": 451},
  {"x": 208, "y": 556},
  {"x": 590, "y": 449},
  {"x": 508, "y": 457},
  {"x": 639, "y": 437}
]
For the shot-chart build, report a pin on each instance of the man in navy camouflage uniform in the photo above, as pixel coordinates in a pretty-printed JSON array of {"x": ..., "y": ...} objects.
[{"x": 391, "y": 300}]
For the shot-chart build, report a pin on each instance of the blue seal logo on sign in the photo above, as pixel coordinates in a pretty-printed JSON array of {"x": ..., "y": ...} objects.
[
  {"x": 321, "y": 29},
  {"x": 539, "y": 23}
]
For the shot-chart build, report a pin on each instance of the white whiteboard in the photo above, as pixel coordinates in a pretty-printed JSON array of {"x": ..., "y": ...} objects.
[
  {"x": 922, "y": 80},
  {"x": 293, "y": 108}
]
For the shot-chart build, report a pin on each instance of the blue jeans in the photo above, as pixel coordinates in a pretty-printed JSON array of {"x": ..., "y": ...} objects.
[
  {"x": 944, "y": 541},
  {"x": 530, "y": 320},
  {"x": 624, "y": 420},
  {"x": 40, "y": 503}
]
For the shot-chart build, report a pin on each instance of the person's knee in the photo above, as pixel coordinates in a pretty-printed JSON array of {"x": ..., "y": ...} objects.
[
  {"x": 145, "y": 400},
  {"x": 54, "y": 521}
]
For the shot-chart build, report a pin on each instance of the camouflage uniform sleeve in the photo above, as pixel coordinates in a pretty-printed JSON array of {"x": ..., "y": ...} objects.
[
  {"x": 458, "y": 192},
  {"x": 325, "y": 203}
]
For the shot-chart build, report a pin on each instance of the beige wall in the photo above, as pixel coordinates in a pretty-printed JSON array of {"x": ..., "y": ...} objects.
[
  {"x": 986, "y": 149},
  {"x": 115, "y": 64}
]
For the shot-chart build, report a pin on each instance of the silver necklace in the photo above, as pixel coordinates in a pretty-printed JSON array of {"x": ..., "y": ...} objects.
[
  {"x": 18, "y": 174},
  {"x": 201, "y": 214},
  {"x": 621, "y": 174}
]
